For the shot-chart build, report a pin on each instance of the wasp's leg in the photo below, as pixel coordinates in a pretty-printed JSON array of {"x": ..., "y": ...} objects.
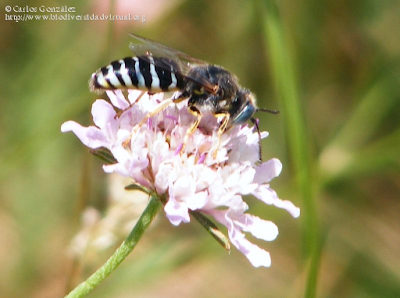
[
  {"x": 158, "y": 109},
  {"x": 222, "y": 128},
  {"x": 255, "y": 122},
  {"x": 184, "y": 95},
  {"x": 120, "y": 112},
  {"x": 139, "y": 97},
  {"x": 192, "y": 128}
]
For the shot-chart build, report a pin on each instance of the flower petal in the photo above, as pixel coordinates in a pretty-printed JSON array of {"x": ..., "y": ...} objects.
[
  {"x": 267, "y": 171},
  {"x": 268, "y": 196},
  {"x": 90, "y": 136},
  {"x": 176, "y": 212},
  {"x": 259, "y": 228},
  {"x": 162, "y": 178},
  {"x": 257, "y": 256},
  {"x": 118, "y": 100},
  {"x": 103, "y": 113}
]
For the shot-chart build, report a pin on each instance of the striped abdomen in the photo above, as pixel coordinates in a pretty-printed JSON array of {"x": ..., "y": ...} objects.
[{"x": 142, "y": 72}]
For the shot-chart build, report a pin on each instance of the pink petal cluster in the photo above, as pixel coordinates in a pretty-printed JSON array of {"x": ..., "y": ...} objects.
[{"x": 192, "y": 178}]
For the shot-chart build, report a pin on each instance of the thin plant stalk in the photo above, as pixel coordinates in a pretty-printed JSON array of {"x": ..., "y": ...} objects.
[
  {"x": 121, "y": 253},
  {"x": 283, "y": 72}
]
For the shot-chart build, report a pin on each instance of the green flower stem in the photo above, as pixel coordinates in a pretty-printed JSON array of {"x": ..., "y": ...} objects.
[{"x": 121, "y": 253}]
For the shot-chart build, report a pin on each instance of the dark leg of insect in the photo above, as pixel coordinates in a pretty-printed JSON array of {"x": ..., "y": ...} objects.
[
  {"x": 221, "y": 129},
  {"x": 255, "y": 122}
]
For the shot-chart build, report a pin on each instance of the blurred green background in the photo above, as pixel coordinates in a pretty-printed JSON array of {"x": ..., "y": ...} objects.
[{"x": 331, "y": 67}]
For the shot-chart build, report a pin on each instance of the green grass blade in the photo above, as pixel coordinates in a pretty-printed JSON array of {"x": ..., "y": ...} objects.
[{"x": 284, "y": 75}]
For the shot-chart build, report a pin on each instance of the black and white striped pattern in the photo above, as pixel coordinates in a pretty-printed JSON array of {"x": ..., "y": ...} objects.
[{"x": 148, "y": 73}]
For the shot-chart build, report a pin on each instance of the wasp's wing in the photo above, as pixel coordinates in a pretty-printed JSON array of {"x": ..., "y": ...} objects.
[{"x": 170, "y": 59}]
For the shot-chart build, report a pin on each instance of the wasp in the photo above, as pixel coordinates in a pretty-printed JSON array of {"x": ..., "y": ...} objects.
[{"x": 157, "y": 68}]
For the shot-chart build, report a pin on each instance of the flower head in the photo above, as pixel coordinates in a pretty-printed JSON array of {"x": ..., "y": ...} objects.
[{"x": 208, "y": 175}]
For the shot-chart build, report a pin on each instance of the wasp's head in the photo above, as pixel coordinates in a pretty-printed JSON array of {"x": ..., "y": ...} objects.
[{"x": 243, "y": 107}]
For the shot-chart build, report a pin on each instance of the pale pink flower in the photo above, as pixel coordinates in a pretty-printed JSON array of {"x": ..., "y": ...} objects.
[{"x": 191, "y": 179}]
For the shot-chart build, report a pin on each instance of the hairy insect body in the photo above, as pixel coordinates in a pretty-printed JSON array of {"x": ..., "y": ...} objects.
[
  {"x": 158, "y": 68},
  {"x": 139, "y": 72}
]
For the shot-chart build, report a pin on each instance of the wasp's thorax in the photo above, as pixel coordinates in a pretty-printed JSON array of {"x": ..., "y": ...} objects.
[{"x": 229, "y": 98}]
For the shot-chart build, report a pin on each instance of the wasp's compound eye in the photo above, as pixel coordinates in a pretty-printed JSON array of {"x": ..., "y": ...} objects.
[{"x": 245, "y": 114}]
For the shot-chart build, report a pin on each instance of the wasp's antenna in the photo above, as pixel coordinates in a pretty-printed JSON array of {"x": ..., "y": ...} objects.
[
  {"x": 269, "y": 111},
  {"x": 255, "y": 122}
]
